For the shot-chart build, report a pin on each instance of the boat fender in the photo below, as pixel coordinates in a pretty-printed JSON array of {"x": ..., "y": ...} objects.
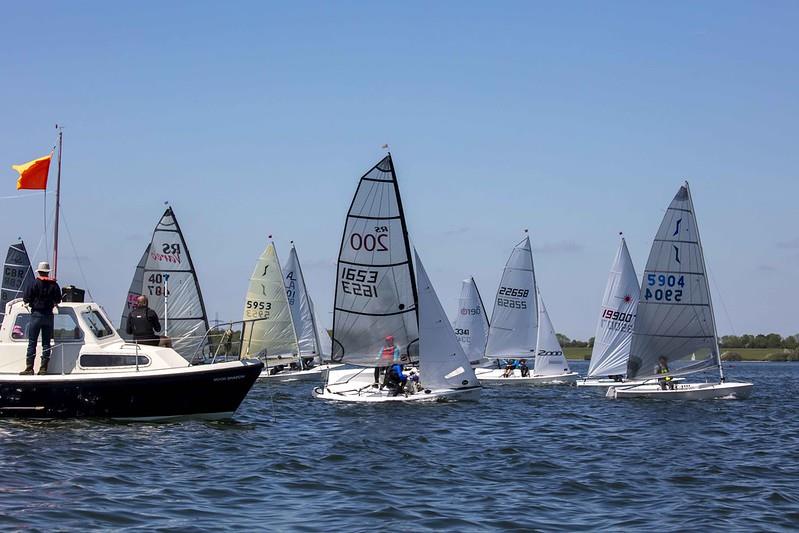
[{"x": 427, "y": 391}]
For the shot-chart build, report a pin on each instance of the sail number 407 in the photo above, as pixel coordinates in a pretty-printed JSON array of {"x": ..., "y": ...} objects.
[
  {"x": 359, "y": 282},
  {"x": 659, "y": 287}
]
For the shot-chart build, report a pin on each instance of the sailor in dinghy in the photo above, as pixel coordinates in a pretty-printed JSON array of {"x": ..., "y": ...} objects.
[{"x": 675, "y": 320}]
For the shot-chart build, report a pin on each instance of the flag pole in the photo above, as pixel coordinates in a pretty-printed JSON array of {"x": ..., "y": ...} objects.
[{"x": 57, "y": 203}]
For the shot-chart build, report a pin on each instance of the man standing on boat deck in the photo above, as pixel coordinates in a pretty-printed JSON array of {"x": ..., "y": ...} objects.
[
  {"x": 389, "y": 355},
  {"x": 143, "y": 323},
  {"x": 42, "y": 296}
]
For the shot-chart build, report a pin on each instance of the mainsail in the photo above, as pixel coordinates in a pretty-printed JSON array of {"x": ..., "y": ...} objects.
[
  {"x": 272, "y": 334},
  {"x": 301, "y": 306},
  {"x": 375, "y": 285},
  {"x": 443, "y": 364},
  {"x": 167, "y": 269},
  {"x": 471, "y": 323},
  {"x": 17, "y": 275},
  {"x": 675, "y": 314},
  {"x": 614, "y": 329},
  {"x": 135, "y": 290},
  {"x": 514, "y": 321},
  {"x": 549, "y": 358}
]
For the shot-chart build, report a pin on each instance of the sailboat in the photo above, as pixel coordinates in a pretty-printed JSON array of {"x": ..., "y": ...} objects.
[
  {"x": 675, "y": 318},
  {"x": 515, "y": 331},
  {"x": 376, "y": 297},
  {"x": 17, "y": 275},
  {"x": 471, "y": 323},
  {"x": 614, "y": 328},
  {"x": 165, "y": 274}
]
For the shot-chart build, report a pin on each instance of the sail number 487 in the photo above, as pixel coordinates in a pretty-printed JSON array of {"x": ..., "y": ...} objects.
[{"x": 659, "y": 287}]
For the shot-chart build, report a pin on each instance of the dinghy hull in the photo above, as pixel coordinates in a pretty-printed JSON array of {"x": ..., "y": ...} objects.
[
  {"x": 375, "y": 395},
  {"x": 495, "y": 376},
  {"x": 203, "y": 391},
  {"x": 605, "y": 382},
  {"x": 685, "y": 391},
  {"x": 318, "y": 373}
]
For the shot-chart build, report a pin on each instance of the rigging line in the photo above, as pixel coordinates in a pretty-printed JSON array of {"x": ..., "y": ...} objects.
[
  {"x": 77, "y": 258},
  {"x": 721, "y": 299},
  {"x": 29, "y": 195}
]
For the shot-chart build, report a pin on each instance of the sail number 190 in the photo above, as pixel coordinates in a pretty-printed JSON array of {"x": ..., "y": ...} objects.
[{"x": 359, "y": 282}]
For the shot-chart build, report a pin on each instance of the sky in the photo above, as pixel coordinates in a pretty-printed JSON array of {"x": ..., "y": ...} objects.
[{"x": 575, "y": 120}]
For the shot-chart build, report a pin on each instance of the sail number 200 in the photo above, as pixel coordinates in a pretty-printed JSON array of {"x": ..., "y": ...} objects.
[{"x": 658, "y": 287}]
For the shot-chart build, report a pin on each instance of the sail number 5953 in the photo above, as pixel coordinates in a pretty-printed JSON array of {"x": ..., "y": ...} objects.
[{"x": 359, "y": 282}]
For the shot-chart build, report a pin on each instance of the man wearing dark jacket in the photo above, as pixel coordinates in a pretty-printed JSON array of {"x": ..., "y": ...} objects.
[
  {"x": 42, "y": 296},
  {"x": 143, "y": 323}
]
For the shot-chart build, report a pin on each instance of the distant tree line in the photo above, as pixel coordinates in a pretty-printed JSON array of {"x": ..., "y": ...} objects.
[
  {"x": 566, "y": 342},
  {"x": 771, "y": 340}
]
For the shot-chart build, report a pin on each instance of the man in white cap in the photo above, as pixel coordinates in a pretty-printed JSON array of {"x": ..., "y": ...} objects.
[{"x": 42, "y": 296}]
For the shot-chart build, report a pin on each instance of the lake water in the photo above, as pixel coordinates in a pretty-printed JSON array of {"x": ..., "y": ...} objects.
[{"x": 520, "y": 459}]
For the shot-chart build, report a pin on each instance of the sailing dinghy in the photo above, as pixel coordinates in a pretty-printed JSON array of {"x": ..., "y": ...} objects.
[
  {"x": 376, "y": 297},
  {"x": 675, "y": 316},
  {"x": 165, "y": 274},
  {"x": 471, "y": 323},
  {"x": 17, "y": 275}
]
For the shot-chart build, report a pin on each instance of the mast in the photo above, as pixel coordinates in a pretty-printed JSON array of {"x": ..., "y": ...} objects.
[
  {"x": 57, "y": 202},
  {"x": 709, "y": 298}
]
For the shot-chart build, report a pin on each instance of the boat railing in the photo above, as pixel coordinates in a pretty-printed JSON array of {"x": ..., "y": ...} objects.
[{"x": 225, "y": 341}]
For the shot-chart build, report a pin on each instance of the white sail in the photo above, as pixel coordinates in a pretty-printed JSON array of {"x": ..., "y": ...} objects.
[
  {"x": 614, "y": 329},
  {"x": 272, "y": 336},
  {"x": 549, "y": 358},
  {"x": 17, "y": 275},
  {"x": 375, "y": 288},
  {"x": 675, "y": 315},
  {"x": 301, "y": 307},
  {"x": 471, "y": 322},
  {"x": 168, "y": 269},
  {"x": 443, "y": 364},
  {"x": 514, "y": 320}
]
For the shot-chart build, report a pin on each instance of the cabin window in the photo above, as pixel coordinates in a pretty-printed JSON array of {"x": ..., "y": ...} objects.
[
  {"x": 93, "y": 360},
  {"x": 97, "y": 324},
  {"x": 65, "y": 327}
]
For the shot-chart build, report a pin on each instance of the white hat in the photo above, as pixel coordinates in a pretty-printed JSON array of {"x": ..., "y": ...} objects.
[{"x": 44, "y": 266}]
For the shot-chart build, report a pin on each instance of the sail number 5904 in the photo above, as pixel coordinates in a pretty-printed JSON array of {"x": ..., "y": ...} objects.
[
  {"x": 654, "y": 292},
  {"x": 359, "y": 282}
]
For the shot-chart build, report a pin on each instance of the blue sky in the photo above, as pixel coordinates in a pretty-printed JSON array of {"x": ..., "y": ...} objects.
[{"x": 576, "y": 120}]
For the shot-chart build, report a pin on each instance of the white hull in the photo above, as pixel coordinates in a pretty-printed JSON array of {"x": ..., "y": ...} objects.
[
  {"x": 493, "y": 376},
  {"x": 605, "y": 382},
  {"x": 685, "y": 391},
  {"x": 317, "y": 373},
  {"x": 370, "y": 394}
]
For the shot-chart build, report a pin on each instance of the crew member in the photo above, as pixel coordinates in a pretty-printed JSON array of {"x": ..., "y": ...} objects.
[
  {"x": 42, "y": 296},
  {"x": 143, "y": 323},
  {"x": 662, "y": 367},
  {"x": 395, "y": 379},
  {"x": 389, "y": 355}
]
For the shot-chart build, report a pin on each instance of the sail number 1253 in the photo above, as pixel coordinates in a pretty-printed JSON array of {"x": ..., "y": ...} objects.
[
  {"x": 662, "y": 287},
  {"x": 359, "y": 282}
]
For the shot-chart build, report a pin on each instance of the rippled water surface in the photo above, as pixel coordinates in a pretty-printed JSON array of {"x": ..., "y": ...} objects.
[{"x": 521, "y": 458}]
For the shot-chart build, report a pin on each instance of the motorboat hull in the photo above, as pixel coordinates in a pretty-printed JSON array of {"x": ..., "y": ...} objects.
[
  {"x": 317, "y": 373},
  {"x": 494, "y": 376},
  {"x": 684, "y": 391},
  {"x": 202, "y": 391},
  {"x": 370, "y": 394}
]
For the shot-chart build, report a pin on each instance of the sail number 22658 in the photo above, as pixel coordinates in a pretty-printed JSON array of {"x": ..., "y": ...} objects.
[
  {"x": 359, "y": 282},
  {"x": 664, "y": 287}
]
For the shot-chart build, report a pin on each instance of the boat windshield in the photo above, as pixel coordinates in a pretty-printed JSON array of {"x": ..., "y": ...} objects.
[
  {"x": 65, "y": 327},
  {"x": 97, "y": 324}
]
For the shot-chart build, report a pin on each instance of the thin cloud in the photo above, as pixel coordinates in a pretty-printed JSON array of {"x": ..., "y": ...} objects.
[
  {"x": 767, "y": 268},
  {"x": 457, "y": 231},
  {"x": 791, "y": 244}
]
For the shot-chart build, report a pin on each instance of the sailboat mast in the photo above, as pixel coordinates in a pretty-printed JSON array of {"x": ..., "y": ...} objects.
[
  {"x": 709, "y": 298},
  {"x": 57, "y": 204}
]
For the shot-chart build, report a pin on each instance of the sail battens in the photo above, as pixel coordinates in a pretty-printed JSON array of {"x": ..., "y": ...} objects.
[
  {"x": 675, "y": 315},
  {"x": 549, "y": 358},
  {"x": 514, "y": 319},
  {"x": 17, "y": 275},
  {"x": 375, "y": 293},
  {"x": 471, "y": 324},
  {"x": 302, "y": 312}
]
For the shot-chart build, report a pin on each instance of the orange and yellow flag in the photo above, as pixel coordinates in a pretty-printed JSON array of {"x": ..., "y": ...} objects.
[{"x": 33, "y": 174}]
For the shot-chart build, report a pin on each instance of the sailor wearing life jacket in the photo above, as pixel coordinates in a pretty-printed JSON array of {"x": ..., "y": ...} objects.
[
  {"x": 663, "y": 368},
  {"x": 389, "y": 355},
  {"x": 42, "y": 296}
]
